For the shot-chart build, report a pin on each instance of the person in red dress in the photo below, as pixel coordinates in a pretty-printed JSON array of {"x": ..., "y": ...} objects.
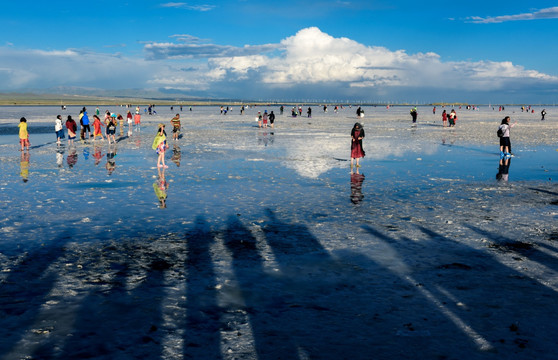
[{"x": 357, "y": 134}]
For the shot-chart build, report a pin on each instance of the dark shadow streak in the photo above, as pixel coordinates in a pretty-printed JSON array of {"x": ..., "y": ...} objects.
[{"x": 202, "y": 337}]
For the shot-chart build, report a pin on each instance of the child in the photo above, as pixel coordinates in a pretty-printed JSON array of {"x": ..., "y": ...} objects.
[
  {"x": 97, "y": 128},
  {"x": 59, "y": 129},
  {"x": 160, "y": 145},
  {"x": 23, "y": 133}
]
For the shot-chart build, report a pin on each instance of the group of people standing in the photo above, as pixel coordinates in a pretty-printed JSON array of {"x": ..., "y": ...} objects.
[
  {"x": 451, "y": 118},
  {"x": 263, "y": 119},
  {"x": 110, "y": 122}
]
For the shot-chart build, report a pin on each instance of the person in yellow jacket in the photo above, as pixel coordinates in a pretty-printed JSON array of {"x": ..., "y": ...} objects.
[{"x": 23, "y": 133}]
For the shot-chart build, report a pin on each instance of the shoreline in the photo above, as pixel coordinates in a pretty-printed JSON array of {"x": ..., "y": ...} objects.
[{"x": 69, "y": 100}]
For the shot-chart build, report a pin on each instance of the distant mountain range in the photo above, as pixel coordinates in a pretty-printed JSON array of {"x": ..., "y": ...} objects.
[{"x": 81, "y": 95}]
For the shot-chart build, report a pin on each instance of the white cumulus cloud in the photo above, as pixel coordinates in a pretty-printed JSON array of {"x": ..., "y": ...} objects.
[
  {"x": 314, "y": 57},
  {"x": 309, "y": 64}
]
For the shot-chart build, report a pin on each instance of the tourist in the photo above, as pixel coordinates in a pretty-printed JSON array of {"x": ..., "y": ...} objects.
[
  {"x": 360, "y": 112},
  {"x": 414, "y": 114},
  {"x": 59, "y": 129},
  {"x": 271, "y": 118},
  {"x": 72, "y": 129},
  {"x": 543, "y": 114},
  {"x": 452, "y": 118},
  {"x": 357, "y": 152},
  {"x": 120, "y": 119},
  {"x": 23, "y": 134},
  {"x": 111, "y": 128},
  {"x": 505, "y": 143},
  {"x": 444, "y": 118},
  {"x": 259, "y": 119},
  {"x": 264, "y": 119},
  {"x": 97, "y": 128},
  {"x": 175, "y": 121},
  {"x": 160, "y": 146},
  {"x": 84, "y": 121},
  {"x": 137, "y": 121}
]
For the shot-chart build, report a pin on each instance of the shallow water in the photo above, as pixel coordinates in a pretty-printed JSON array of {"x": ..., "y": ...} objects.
[
  {"x": 266, "y": 246},
  {"x": 225, "y": 165}
]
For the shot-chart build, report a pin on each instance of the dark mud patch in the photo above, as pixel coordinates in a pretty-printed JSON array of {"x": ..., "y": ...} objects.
[
  {"x": 512, "y": 246},
  {"x": 458, "y": 266}
]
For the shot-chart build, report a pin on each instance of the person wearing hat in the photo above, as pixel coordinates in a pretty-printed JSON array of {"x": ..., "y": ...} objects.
[{"x": 357, "y": 152}]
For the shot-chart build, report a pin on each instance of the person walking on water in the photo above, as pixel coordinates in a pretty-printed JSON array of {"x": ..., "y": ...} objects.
[
  {"x": 97, "y": 128},
  {"x": 444, "y": 118},
  {"x": 160, "y": 146},
  {"x": 414, "y": 114},
  {"x": 72, "y": 129},
  {"x": 271, "y": 118},
  {"x": 452, "y": 118},
  {"x": 59, "y": 129},
  {"x": 359, "y": 112},
  {"x": 23, "y": 134},
  {"x": 175, "y": 122},
  {"x": 357, "y": 152},
  {"x": 84, "y": 121},
  {"x": 505, "y": 143}
]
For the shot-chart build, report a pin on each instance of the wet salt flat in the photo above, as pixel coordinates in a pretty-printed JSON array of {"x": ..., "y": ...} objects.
[{"x": 267, "y": 247}]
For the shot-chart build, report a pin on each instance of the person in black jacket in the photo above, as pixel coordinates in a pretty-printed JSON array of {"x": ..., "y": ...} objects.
[{"x": 357, "y": 152}]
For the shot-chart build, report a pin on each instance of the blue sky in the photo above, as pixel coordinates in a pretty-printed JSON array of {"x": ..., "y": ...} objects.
[{"x": 429, "y": 51}]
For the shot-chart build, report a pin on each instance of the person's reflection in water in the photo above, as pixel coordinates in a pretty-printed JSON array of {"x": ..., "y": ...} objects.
[
  {"x": 263, "y": 139},
  {"x": 60, "y": 156},
  {"x": 160, "y": 187},
  {"x": 24, "y": 166},
  {"x": 356, "y": 186},
  {"x": 176, "y": 155},
  {"x": 97, "y": 154},
  {"x": 503, "y": 169},
  {"x": 72, "y": 157},
  {"x": 111, "y": 163}
]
